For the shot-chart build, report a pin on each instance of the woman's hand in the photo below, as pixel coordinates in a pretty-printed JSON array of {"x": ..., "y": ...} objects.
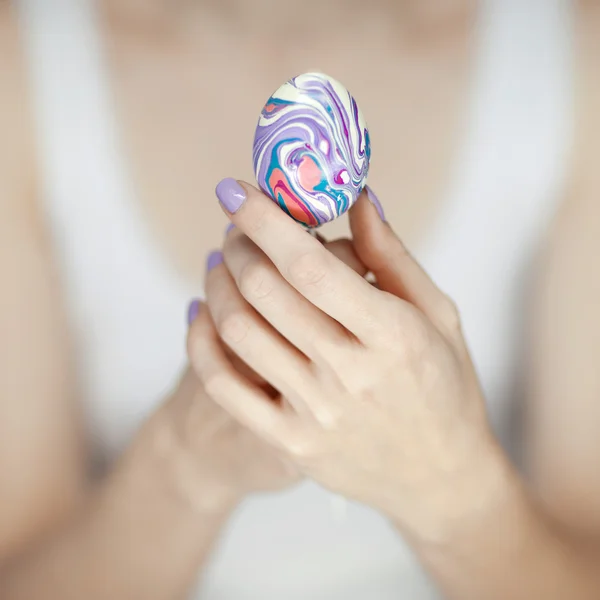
[
  {"x": 220, "y": 461},
  {"x": 230, "y": 460},
  {"x": 379, "y": 399}
]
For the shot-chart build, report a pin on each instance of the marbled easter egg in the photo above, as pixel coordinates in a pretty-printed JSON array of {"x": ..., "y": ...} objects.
[{"x": 312, "y": 149}]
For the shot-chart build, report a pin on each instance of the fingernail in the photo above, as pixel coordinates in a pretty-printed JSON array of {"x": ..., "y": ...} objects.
[
  {"x": 193, "y": 310},
  {"x": 214, "y": 259},
  {"x": 230, "y": 194},
  {"x": 229, "y": 228},
  {"x": 375, "y": 202}
]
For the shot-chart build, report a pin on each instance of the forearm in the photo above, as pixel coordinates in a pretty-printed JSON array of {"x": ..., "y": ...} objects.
[
  {"x": 139, "y": 536},
  {"x": 505, "y": 548}
]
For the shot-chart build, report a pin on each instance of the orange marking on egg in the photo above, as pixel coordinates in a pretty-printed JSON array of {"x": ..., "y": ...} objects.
[
  {"x": 309, "y": 174},
  {"x": 279, "y": 184}
]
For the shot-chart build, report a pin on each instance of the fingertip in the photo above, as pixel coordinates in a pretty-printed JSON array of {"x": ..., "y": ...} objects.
[
  {"x": 192, "y": 311},
  {"x": 374, "y": 200},
  {"x": 365, "y": 219},
  {"x": 199, "y": 333},
  {"x": 231, "y": 194},
  {"x": 194, "y": 318},
  {"x": 214, "y": 259},
  {"x": 372, "y": 237}
]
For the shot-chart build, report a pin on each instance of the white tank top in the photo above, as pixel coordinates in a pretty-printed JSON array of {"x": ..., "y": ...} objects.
[{"x": 127, "y": 305}]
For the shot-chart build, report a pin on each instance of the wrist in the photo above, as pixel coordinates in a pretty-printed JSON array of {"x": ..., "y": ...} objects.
[
  {"x": 143, "y": 510},
  {"x": 159, "y": 463},
  {"x": 497, "y": 528},
  {"x": 481, "y": 492}
]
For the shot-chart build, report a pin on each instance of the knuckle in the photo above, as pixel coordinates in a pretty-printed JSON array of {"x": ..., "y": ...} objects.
[
  {"x": 215, "y": 385},
  {"x": 390, "y": 329},
  {"x": 328, "y": 417},
  {"x": 255, "y": 282},
  {"x": 408, "y": 335},
  {"x": 450, "y": 315},
  {"x": 419, "y": 335},
  {"x": 308, "y": 270},
  {"x": 301, "y": 448},
  {"x": 336, "y": 353},
  {"x": 234, "y": 326},
  {"x": 418, "y": 340}
]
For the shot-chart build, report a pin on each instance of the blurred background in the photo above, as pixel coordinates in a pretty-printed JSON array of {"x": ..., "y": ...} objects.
[
  {"x": 138, "y": 109},
  {"x": 146, "y": 104}
]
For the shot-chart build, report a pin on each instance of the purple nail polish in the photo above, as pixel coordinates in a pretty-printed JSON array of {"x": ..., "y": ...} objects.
[
  {"x": 375, "y": 202},
  {"x": 193, "y": 310},
  {"x": 229, "y": 228},
  {"x": 214, "y": 259},
  {"x": 231, "y": 194}
]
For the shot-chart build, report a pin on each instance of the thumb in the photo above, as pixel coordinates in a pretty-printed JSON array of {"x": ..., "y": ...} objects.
[{"x": 395, "y": 270}]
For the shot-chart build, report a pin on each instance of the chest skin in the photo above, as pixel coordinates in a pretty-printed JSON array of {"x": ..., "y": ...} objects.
[{"x": 187, "y": 107}]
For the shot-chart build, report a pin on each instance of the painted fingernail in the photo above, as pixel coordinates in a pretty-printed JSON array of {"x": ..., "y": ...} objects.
[
  {"x": 214, "y": 259},
  {"x": 231, "y": 194},
  {"x": 193, "y": 310},
  {"x": 375, "y": 202},
  {"x": 229, "y": 228}
]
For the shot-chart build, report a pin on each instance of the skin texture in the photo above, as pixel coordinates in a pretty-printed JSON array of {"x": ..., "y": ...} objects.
[
  {"x": 62, "y": 536},
  {"x": 58, "y": 530},
  {"x": 166, "y": 64},
  {"x": 385, "y": 404},
  {"x": 341, "y": 368},
  {"x": 146, "y": 529},
  {"x": 42, "y": 408},
  {"x": 564, "y": 391}
]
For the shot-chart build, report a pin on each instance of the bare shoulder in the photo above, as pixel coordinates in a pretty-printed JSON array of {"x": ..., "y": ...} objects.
[
  {"x": 17, "y": 155},
  {"x": 588, "y": 47},
  {"x": 588, "y": 9},
  {"x": 582, "y": 204},
  {"x": 12, "y": 56},
  {"x": 564, "y": 416}
]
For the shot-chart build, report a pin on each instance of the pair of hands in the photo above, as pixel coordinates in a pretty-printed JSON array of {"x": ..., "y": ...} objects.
[{"x": 367, "y": 389}]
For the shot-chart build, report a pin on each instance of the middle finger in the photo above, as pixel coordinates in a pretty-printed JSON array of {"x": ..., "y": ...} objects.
[{"x": 309, "y": 329}]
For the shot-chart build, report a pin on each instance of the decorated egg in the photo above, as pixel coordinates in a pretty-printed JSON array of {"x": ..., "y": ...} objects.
[{"x": 312, "y": 149}]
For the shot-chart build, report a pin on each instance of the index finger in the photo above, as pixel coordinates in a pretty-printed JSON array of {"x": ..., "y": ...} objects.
[{"x": 302, "y": 260}]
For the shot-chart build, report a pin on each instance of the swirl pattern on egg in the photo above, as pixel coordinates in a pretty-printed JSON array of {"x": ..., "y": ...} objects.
[{"x": 312, "y": 149}]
